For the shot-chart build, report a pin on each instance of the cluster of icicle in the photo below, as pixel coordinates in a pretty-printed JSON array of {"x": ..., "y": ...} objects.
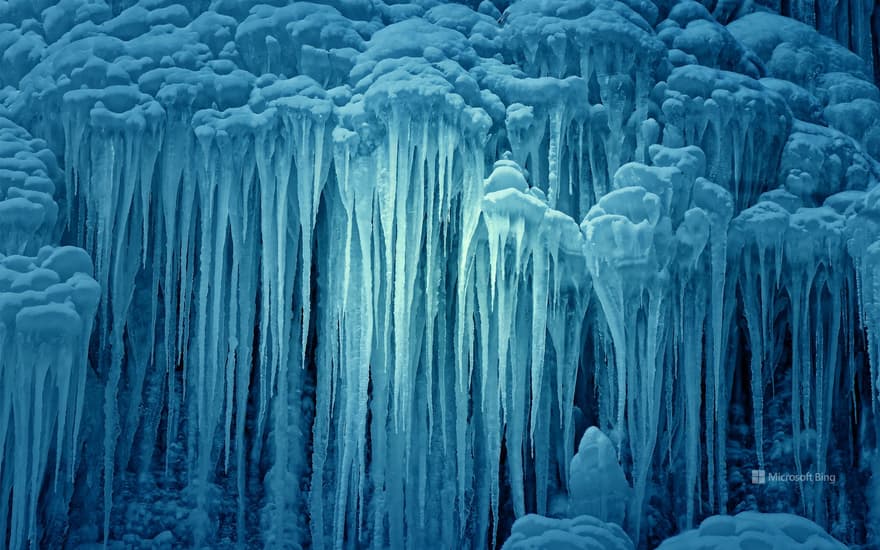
[{"x": 48, "y": 301}]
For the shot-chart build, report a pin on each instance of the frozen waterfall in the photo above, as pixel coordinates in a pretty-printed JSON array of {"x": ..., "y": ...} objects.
[{"x": 411, "y": 273}]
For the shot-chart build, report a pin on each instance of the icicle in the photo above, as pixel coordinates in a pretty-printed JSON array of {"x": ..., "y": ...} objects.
[
  {"x": 635, "y": 307},
  {"x": 756, "y": 242},
  {"x": 814, "y": 255},
  {"x": 46, "y": 311}
]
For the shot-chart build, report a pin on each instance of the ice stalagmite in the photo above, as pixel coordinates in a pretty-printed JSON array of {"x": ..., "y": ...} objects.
[
  {"x": 598, "y": 486},
  {"x": 538, "y": 532},
  {"x": 776, "y": 531}
]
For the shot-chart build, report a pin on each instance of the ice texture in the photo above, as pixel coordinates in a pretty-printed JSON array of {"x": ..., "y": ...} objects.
[
  {"x": 28, "y": 176},
  {"x": 361, "y": 273}
]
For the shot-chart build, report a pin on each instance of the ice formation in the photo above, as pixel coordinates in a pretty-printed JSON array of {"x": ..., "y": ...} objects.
[
  {"x": 598, "y": 485},
  {"x": 48, "y": 301},
  {"x": 360, "y": 273}
]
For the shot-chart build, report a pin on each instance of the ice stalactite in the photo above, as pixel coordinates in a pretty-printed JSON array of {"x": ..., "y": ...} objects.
[
  {"x": 870, "y": 305},
  {"x": 221, "y": 215},
  {"x": 293, "y": 161},
  {"x": 717, "y": 203},
  {"x": 849, "y": 22},
  {"x": 818, "y": 162},
  {"x": 707, "y": 298},
  {"x": 300, "y": 39},
  {"x": 350, "y": 338},
  {"x": 657, "y": 315},
  {"x": 559, "y": 139},
  {"x": 688, "y": 355},
  {"x": 249, "y": 202},
  {"x": 817, "y": 282},
  {"x": 694, "y": 37},
  {"x": 47, "y": 304},
  {"x": 756, "y": 241},
  {"x": 783, "y": 250},
  {"x": 343, "y": 393},
  {"x": 597, "y": 46},
  {"x": 219, "y": 350},
  {"x": 741, "y": 126},
  {"x": 176, "y": 207},
  {"x": 628, "y": 240},
  {"x": 698, "y": 210},
  {"x": 863, "y": 231},
  {"x": 48, "y": 301},
  {"x": 112, "y": 139},
  {"x": 532, "y": 295},
  {"x": 401, "y": 198}
]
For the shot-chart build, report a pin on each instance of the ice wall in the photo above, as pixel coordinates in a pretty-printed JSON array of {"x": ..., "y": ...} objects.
[{"x": 368, "y": 269}]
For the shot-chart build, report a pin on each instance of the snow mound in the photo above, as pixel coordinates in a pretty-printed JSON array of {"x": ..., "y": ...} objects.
[
  {"x": 749, "y": 530},
  {"x": 533, "y": 532}
]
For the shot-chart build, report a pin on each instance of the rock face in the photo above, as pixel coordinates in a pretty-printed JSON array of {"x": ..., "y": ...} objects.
[{"x": 358, "y": 273}]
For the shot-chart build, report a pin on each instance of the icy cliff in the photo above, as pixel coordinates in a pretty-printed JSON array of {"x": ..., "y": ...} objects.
[{"x": 360, "y": 273}]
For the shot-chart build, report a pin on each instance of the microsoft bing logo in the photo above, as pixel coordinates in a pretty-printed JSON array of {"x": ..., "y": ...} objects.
[{"x": 762, "y": 477}]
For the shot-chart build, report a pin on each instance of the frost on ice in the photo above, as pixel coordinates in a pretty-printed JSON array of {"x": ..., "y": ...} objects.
[{"x": 361, "y": 273}]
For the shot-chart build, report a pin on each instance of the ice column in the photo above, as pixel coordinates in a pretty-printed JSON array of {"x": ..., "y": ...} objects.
[
  {"x": 112, "y": 140},
  {"x": 756, "y": 250},
  {"x": 532, "y": 293},
  {"x": 628, "y": 245}
]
